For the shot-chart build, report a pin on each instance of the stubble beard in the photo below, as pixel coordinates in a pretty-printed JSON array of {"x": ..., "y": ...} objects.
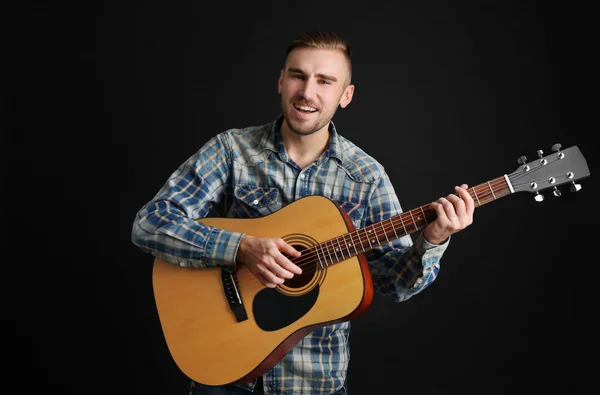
[{"x": 302, "y": 128}]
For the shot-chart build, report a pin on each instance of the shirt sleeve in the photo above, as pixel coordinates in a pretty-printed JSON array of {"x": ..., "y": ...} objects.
[
  {"x": 168, "y": 226},
  {"x": 402, "y": 268}
]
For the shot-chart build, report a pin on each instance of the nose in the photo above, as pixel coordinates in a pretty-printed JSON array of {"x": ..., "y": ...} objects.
[{"x": 309, "y": 89}]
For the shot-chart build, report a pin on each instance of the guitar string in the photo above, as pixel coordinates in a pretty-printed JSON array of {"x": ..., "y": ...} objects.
[
  {"x": 481, "y": 193},
  {"x": 329, "y": 248},
  {"x": 341, "y": 241},
  {"x": 311, "y": 257},
  {"x": 486, "y": 194}
]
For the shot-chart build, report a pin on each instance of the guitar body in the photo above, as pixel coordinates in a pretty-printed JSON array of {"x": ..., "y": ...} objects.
[{"x": 215, "y": 346}]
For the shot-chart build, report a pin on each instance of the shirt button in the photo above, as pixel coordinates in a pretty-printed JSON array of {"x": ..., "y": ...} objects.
[
  {"x": 302, "y": 175},
  {"x": 255, "y": 202}
]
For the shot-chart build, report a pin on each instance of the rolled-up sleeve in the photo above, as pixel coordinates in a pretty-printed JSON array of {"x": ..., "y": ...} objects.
[
  {"x": 170, "y": 227},
  {"x": 400, "y": 269}
]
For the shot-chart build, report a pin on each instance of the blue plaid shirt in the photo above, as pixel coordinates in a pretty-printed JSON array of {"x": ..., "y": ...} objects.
[{"x": 247, "y": 173}]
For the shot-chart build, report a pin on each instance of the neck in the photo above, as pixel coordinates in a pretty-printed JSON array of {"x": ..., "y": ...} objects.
[
  {"x": 362, "y": 240},
  {"x": 304, "y": 149}
]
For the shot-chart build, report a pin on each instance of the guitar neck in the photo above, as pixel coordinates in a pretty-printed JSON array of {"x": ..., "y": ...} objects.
[{"x": 362, "y": 240}]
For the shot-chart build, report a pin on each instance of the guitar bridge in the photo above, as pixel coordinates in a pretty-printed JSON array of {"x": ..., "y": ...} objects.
[{"x": 233, "y": 296}]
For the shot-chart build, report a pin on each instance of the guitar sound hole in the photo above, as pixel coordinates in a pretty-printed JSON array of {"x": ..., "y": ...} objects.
[{"x": 308, "y": 269}]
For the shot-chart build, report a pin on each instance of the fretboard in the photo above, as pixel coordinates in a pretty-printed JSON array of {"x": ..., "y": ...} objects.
[{"x": 362, "y": 240}]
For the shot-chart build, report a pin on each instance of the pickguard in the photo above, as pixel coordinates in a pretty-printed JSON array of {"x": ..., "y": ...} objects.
[{"x": 274, "y": 310}]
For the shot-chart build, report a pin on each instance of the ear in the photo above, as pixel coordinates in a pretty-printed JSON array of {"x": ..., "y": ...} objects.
[
  {"x": 280, "y": 82},
  {"x": 347, "y": 96}
]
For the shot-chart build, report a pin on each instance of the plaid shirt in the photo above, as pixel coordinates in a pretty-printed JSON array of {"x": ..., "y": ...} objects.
[{"x": 247, "y": 173}]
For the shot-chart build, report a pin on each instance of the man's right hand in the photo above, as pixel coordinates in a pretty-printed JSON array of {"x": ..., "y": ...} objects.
[{"x": 266, "y": 260}]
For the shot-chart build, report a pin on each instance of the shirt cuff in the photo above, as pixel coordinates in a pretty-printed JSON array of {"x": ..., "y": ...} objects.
[
  {"x": 221, "y": 248},
  {"x": 422, "y": 243},
  {"x": 430, "y": 253}
]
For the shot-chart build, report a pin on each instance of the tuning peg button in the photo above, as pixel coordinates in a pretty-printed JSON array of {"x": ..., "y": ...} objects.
[
  {"x": 538, "y": 197},
  {"x": 574, "y": 187}
]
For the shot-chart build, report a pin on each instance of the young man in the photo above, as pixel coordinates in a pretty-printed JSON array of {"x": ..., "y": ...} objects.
[{"x": 256, "y": 171}]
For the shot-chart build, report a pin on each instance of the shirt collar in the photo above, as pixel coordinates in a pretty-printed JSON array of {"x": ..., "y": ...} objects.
[{"x": 272, "y": 141}]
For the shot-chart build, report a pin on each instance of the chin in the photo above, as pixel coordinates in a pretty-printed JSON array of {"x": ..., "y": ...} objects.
[{"x": 303, "y": 131}]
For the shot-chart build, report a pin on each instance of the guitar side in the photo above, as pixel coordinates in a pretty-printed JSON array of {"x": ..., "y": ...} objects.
[{"x": 204, "y": 337}]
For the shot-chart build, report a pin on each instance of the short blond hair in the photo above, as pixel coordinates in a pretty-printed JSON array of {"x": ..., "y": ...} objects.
[{"x": 322, "y": 40}]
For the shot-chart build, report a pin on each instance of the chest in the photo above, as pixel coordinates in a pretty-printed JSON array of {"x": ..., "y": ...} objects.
[{"x": 265, "y": 187}]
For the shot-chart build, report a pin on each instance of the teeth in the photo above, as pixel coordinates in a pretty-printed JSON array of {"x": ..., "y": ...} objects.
[{"x": 304, "y": 108}]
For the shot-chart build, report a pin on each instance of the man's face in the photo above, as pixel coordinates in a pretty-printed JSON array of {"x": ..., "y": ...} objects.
[{"x": 312, "y": 85}]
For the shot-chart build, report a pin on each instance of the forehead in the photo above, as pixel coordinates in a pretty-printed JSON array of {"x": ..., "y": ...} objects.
[{"x": 318, "y": 61}]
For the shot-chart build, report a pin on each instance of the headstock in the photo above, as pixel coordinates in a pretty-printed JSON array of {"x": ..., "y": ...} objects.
[{"x": 563, "y": 167}]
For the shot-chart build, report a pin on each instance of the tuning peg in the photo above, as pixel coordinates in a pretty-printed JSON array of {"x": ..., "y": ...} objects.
[
  {"x": 543, "y": 160},
  {"x": 556, "y": 192},
  {"x": 556, "y": 148},
  {"x": 523, "y": 161},
  {"x": 538, "y": 197},
  {"x": 574, "y": 187}
]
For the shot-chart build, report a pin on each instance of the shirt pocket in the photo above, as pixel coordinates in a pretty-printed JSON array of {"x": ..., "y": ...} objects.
[
  {"x": 355, "y": 211},
  {"x": 251, "y": 201}
]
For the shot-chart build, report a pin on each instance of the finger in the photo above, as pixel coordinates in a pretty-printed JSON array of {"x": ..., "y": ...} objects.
[
  {"x": 466, "y": 197},
  {"x": 273, "y": 273},
  {"x": 283, "y": 259},
  {"x": 451, "y": 205},
  {"x": 288, "y": 249},
  {"x": 289, "y": 266},
  {"x": 458, "y": 204},
  {"x": 462, "y": 191},
  {"x": 278, "y": 269},
  {"x": 440, "y": 211},
  {"x": 264, "y": 280}
]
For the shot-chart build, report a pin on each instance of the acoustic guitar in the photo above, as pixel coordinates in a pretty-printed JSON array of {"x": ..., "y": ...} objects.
[{"x": 223, "y": 327}]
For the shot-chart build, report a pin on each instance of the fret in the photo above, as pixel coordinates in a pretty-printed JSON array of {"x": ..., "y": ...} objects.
[
  {"x": 375, "y": 232},
  {"x": 384, "y": 232},
  {"x": 346, "y": 243},
  {"x": 319, "y": 257},
  {"x": 402, "y": 222},
  {"x": 353, "y": 243},
  {"x": 394, "y": 228},
  {"x": 360, "y": 240},
  {"x": 340, "y": 248},
  {"x": 475, "y": 192},
  {"x": 329, "y": 253},
  {"x": 335, "y": 253},
  {"x": 491, "y": 190},
  {"x": 368, "y": 238},
  {"x": 324, "y": 257},
  {"x": 413, "y": 219},
  {"x": 424, "y": 216}
]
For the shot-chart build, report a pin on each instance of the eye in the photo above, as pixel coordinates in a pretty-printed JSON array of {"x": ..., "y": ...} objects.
[
  {"x": 298, "y": 76},
  {"x": 325, "y": 82}
]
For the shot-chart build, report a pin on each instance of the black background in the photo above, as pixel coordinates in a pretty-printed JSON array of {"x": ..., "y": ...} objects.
[{"x": 110, "y": 97}]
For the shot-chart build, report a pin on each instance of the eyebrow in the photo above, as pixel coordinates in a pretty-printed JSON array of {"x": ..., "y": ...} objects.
[{"x": 324, "y": 76}]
